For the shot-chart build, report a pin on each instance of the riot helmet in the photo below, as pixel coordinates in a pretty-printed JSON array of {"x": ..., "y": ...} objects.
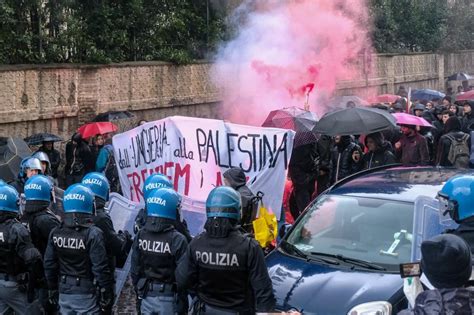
[
  {"x": 163, "y": 203},
  {"x": 155, "y": 181},
  {"x": 78, "y": 199},
  {"x": 44, "y": 159},
  {"x": 98, "y": 184},
  {"x": 30, "y": 166},
  {"x": 223, "y": 202},
  {"x": 457, "y": 197},
  {"x": 9, "y": 199},
  {"x": 39, "y": 188}
]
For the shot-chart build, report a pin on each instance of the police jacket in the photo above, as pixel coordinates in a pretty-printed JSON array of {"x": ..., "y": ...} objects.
[
  {"x": 180, "y": 225},
  {"x": 157, "y": 250},
  {"x": 443, "y": 301},
  {"x": 76, "y": 250},
  {"x": 465, "y": 230},
  {"x": 19, "y": 185},
  {"x": 41, "y": 221},
  {"x": 228, "y": 273},
  {"x": 17, "y": 253}
]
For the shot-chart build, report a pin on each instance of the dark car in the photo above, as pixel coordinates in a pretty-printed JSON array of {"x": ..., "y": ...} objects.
[{"x": 342, "y": 256}]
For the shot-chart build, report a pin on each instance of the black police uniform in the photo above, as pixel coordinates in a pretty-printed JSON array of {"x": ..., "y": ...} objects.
[
  {"x": 76, "y": 260},
  {"x": 465, "y": 230},
  {"x": 19, "y": 185},
  {"x": 157, "y": 251},
  {"x": 180, "y": 226},
  {"x": 228, "y": 274},
  {"x": 18, "y": 257},
  {"x": 41, "y": 221}
]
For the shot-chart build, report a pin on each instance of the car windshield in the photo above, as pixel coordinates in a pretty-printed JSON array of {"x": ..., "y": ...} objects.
[{"x": 374, "y": 230}]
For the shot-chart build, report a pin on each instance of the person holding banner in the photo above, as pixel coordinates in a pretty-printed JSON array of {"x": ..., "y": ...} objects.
[
  {"x": 226, "y": 268},
  {"x": 153, "y": 182},
  {"x": 157, "y": 250}
]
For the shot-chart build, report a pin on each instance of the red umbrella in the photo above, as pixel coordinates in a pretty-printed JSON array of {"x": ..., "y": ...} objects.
[
  {"x": 385, "y": 98},
  {"x": 407, "y": 119},
  {"x": 96, "y": 128},
  {"x": 468, "y": 96}
]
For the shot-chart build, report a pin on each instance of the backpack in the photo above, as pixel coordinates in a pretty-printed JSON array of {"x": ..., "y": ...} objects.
[
  {"x": 111, "y": 171},
  {"x": 458, "y": 154}
]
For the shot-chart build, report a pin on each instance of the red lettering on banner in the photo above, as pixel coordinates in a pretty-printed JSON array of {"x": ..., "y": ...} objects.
[
  {"x": 167, "y": 166},
  {"x": 135, "y": 186},
  {"x": 180, "y": 172},
  {"x": 219, "y": 179}
]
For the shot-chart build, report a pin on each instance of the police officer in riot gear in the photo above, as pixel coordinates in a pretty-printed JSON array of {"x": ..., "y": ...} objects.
[
  {"x": 157, "y": 250},
  {"x": 28, "y": 167},
  {"x": 117, "y": 244},
  {"x": 152, "y": 183},
  {"x": 225, "y": 268},
  {"x": 457, "y": 199},
  {"x": 41, "y": 221},
  {"x": 76, "y": 262},
  {"x": 20, "y": 261}
]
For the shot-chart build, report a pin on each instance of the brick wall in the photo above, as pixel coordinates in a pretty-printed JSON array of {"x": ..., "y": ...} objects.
[{"x": 59, "y": 98}]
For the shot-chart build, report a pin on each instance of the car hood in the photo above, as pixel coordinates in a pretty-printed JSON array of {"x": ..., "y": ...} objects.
[{"x": 320, "y": 289}]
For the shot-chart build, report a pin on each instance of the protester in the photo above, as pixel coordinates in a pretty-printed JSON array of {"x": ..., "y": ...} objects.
[
  {"x": 446, "y": 114},
  {"x": 106, "y": 164},
  {"x": 79, "y": 160},
  {"x": 419, "y": 109},
  {"x": 398, "y": 107},
  {"x": 457, "y": 199},
  {"x": 379, "y": 151},
  {"x": 468, "y": 118},
  {"x": 241, "y": 283},
  {"x": 53, "y": 155},
  {"x": 446, "y": 262},
  {"x": 303, "y": 170},
  {"x": 235, "y": 178},
  {"x": 153, "y": 269},
  {"x": 19, "y": 259},
  {"x": 323, "y": 179},
  {"x": 41, "y": 221},
  {"x": 453, "y": 108},
  {"x": 98, "y": 143},
  {"x": 28, "y": 168},
  {"x": 412, "y": 148},
  {"x": 454, "y": 145},
  {"x": 346, "y": 158},
  {"x": 78, "y": 271},
  {"x": 446, "y": 101}
]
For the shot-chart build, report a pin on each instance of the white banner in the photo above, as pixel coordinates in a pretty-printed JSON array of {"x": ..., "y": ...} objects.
[{"x": 195, "y": 152}]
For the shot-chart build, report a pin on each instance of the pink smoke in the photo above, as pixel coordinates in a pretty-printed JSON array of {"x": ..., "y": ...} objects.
[{"x": 282, "y": 50}]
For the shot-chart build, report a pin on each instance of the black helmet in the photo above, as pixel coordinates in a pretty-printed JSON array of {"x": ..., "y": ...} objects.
[{"x": 419, "y": 106}]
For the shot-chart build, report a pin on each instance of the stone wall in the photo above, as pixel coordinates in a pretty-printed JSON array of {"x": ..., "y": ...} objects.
[{"x": 59, "y": 98}]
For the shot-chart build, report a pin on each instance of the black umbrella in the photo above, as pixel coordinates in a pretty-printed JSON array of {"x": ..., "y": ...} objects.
[
  {"x": 294, "y": 118},
  {"x": 12, "y": 152},
  {"x": 460, "y": 76},
  {"x": 355, "y": 121},
  {"x": 41, "y": 137},
  {"x": 113, "y": 115}
]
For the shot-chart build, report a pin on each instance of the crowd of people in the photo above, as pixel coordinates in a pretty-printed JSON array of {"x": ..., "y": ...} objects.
[{"x": 314, "y": 167}]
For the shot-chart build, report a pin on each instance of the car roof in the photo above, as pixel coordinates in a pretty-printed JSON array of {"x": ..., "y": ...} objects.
[{"x": 397, "y": 183}]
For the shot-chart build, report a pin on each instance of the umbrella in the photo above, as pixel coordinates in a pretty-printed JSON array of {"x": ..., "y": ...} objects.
[
  {"x": 96, "y": 128},
  {"x": 468, "y": 96},
  {"x": 12, "y": 152},
  {"x": 426, "y": 94},
  {"x": 385, "y": 98},
  {"x": 294, "y": 118},
  {"x": 41, "y": 137},
  {"x": 343, "y": 101},
  {"x": 407, "y": 119},
  {"x": 113, "y": 115},
  {"x": 460, "y": 76},
  {"x": 355, "y": 121}
]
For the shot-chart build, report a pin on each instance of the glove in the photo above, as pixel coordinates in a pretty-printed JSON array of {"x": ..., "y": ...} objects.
[
  {"x": 53, "y": 297},
  {"x": 106, "y": 300}
]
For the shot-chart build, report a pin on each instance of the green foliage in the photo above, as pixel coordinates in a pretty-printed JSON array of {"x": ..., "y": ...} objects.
[{"x": 104, "y": 31}]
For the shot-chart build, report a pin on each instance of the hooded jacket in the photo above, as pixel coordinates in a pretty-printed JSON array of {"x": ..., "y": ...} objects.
[
  {"x": 342, "y": 163},
  {"x": 237, "y": 180},
  {"x": 443, "y": 301},
  {"x": 468, "y": 120},
  {"x": 302, "y": 167},
  {"x": 79, "y": 158},
  {"x": 451, "y": 129},
  {"x": 414, "y": 150},
  {"x": 381, "y": 156}
]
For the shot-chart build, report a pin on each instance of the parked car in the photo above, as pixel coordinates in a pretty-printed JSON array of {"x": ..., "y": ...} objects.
[{"x": 342, "y": 255}]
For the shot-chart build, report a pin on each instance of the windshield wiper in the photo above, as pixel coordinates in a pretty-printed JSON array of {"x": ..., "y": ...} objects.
[
  {"x": 354, "y": 261},
  {"x": 298, "y": 252}
]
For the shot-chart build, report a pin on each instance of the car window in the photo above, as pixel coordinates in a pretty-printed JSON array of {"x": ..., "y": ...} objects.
[{"x": 370, "y": 229}]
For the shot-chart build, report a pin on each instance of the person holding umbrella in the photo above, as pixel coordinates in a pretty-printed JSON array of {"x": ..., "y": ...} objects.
[
  {"x": 412, "y": 148},
  {"x": 79, "y": 160}
]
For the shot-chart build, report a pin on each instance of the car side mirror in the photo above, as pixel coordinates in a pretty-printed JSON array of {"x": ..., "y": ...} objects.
[{"x": 284, "y": 229}]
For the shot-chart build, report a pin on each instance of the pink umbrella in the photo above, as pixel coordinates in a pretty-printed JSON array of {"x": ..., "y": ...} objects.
[{"x": 407, "y": 119}]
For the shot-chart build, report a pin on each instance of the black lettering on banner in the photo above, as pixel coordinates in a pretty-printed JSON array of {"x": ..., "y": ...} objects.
[
  {"x": 181, "y": 152},
  {"x": 244, "y": 151},
  {"x": 230, "y": 146},
  {"x": 254, "y": 151},
  {"x": 149, "y": 144}
]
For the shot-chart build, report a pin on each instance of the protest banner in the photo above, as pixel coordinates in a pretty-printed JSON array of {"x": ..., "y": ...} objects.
[{"x": 195, "y": 152}]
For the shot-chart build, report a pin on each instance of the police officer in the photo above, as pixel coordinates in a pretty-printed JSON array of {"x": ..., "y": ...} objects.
[
  {"x": 18, "y": 257},
  {"x": 226, "y": 268},
  {"x": 117, "y": 244},
  {"x": 157, "y": 250},
  {"x": 153, "y": 182},
  {"x": 457, "y": 199},
  {"x": 76, "y": 260},
  {"x": 41, "y": 221},
  {"x": 28, "y": 167}
]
